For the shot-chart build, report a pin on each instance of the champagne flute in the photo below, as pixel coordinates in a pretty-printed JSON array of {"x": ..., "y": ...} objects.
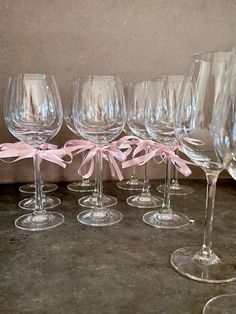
[
  {"x": 136, "y": 98},
  {"x": 99, "y": 116},
  {"x": 196, "y": 128},
  {"x": 160, "y": 113},
  {"x": 33, "y": 114}
]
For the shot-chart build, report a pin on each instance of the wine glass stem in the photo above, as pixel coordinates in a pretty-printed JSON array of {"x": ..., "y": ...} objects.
[
  {"x": 99, "y": 180},
  {"x": 211, "y": 177},
  {"x": 38, "y": 181},
  {"x": 166, "y": 202},
  {"x": 146, "y": 185},
  {"x": 133, "y": 175}
]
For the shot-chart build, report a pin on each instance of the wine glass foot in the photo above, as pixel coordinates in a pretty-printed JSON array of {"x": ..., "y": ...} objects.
[
  {"x": 39, "y": 222},
  {"x": 92, "y": 201},
  {"x": 143, "y": 201},
  {"x": 131, "y": 185},
  {"x": 172, "y": 220},
  {"x": 30, "y": 188},
  {"x": 224, "y": 303},
  {"x": 221, "y": 270},
  {"x": 48, "y": 202},
  {"x": 81, "y": 186},
  {"x": 176, "y": 189},
  {"x": 103, "y": 217}
]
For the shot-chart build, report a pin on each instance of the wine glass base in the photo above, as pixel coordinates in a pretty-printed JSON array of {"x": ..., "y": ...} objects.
[
  {"x": 224, "y": 303},
  {"x": 184, "y": 261},
  {"x": 92, "y": 200},
  {"x": 130, "y": 185},
  {"x": 30, "y": 188},
  {"x": 39, "y": 222},
  {"x": 48, "y": 202},
  {"x": 83, "y": 187},
  {"x": 143, "y": 201},
  {"x": 176, "y": 189},
  {"x": 101, "y": 218},
  {"x": 165, "y": 221}
]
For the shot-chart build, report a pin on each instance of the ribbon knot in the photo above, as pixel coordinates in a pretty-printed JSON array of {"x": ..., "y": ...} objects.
[{"x": 21, "y": 150}]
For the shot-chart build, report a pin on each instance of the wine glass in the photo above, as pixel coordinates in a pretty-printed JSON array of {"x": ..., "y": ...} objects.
[
  {"x": 33, "y": 114},
  {"x": 196, "y": 128},
  {"x": 224, "y": 303},
  {"x": 160, "y": 111},
  {"x": 133, "y": 183},
  {"x": 88, "y": 200},
  {"x": 225, "y": 146},
  {"x": 85, "y": 185},
  {"x": 174, "y": 86},
  {"x": 136, "y": 98},
  {"x": 99, "y": 116}
]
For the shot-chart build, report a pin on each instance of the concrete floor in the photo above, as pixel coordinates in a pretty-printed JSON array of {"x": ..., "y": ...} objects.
[{"x": 122, "y": 269}]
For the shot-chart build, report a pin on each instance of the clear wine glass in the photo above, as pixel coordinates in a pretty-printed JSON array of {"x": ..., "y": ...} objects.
[
  {"x": 133, "y": 183},
  {"x": 225, "y": 146},
  {"x": 99, "y": 116},
  {"x": 160, "y": 111},
  {"x": 136, "y": 98},
  {"x": 33, "y": 114},
  {"x": 88, "y": 200},
  {"x": 221, "y": 304},
  {"x": 196, "y": 128},
  {"x": 176, "y": 188},
  {"x": 85, "y": 185}
]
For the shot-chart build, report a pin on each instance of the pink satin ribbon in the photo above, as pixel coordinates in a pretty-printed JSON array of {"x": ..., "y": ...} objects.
[
  {"x": 21, "y": 150},
  {"x": 113, "y": 152},
  {"x": 157, "y": 149}
]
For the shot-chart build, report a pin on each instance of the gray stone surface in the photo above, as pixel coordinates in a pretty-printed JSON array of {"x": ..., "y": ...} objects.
[{"x": 120, "y": 269}]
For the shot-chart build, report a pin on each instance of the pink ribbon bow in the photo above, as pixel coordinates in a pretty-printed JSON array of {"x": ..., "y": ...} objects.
[
  {"x": 153, "y": 149},
  {"x": 21, "y": 150},
  {"x": 113, "y": 152}
]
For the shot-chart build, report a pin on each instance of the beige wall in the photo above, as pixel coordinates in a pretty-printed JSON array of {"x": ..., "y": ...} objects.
[{"x": 134, "y": 39}]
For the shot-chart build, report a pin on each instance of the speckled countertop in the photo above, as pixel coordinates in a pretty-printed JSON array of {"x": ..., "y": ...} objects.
[{"x": 121, "y": 269}]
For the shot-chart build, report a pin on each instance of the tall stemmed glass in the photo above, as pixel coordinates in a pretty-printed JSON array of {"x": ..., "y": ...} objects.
[
  {"x": 174, "y": 86},
  {"x": 225, "y": 146},
  {"x": 160, "y": 113},
  {"x": 196, "y": 128},
  {"x": 84, "y": 185},
  {"x": 132, "y": 183},
  {"x": 88, "y": 200},
  {"x": 99, "y": 116},
  {"x": 137, "y": 94},
  {"x": 33, "y": 114}
]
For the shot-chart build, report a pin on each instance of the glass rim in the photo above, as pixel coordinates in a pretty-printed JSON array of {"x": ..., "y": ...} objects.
[
  {"x": 97, "y": 77},
  {"x": 207, "y": 56},
  {"x": 33, "y": 75}
]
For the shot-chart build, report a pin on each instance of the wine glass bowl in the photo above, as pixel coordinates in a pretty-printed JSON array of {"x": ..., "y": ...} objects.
[{"x": 33, "y": 114}]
